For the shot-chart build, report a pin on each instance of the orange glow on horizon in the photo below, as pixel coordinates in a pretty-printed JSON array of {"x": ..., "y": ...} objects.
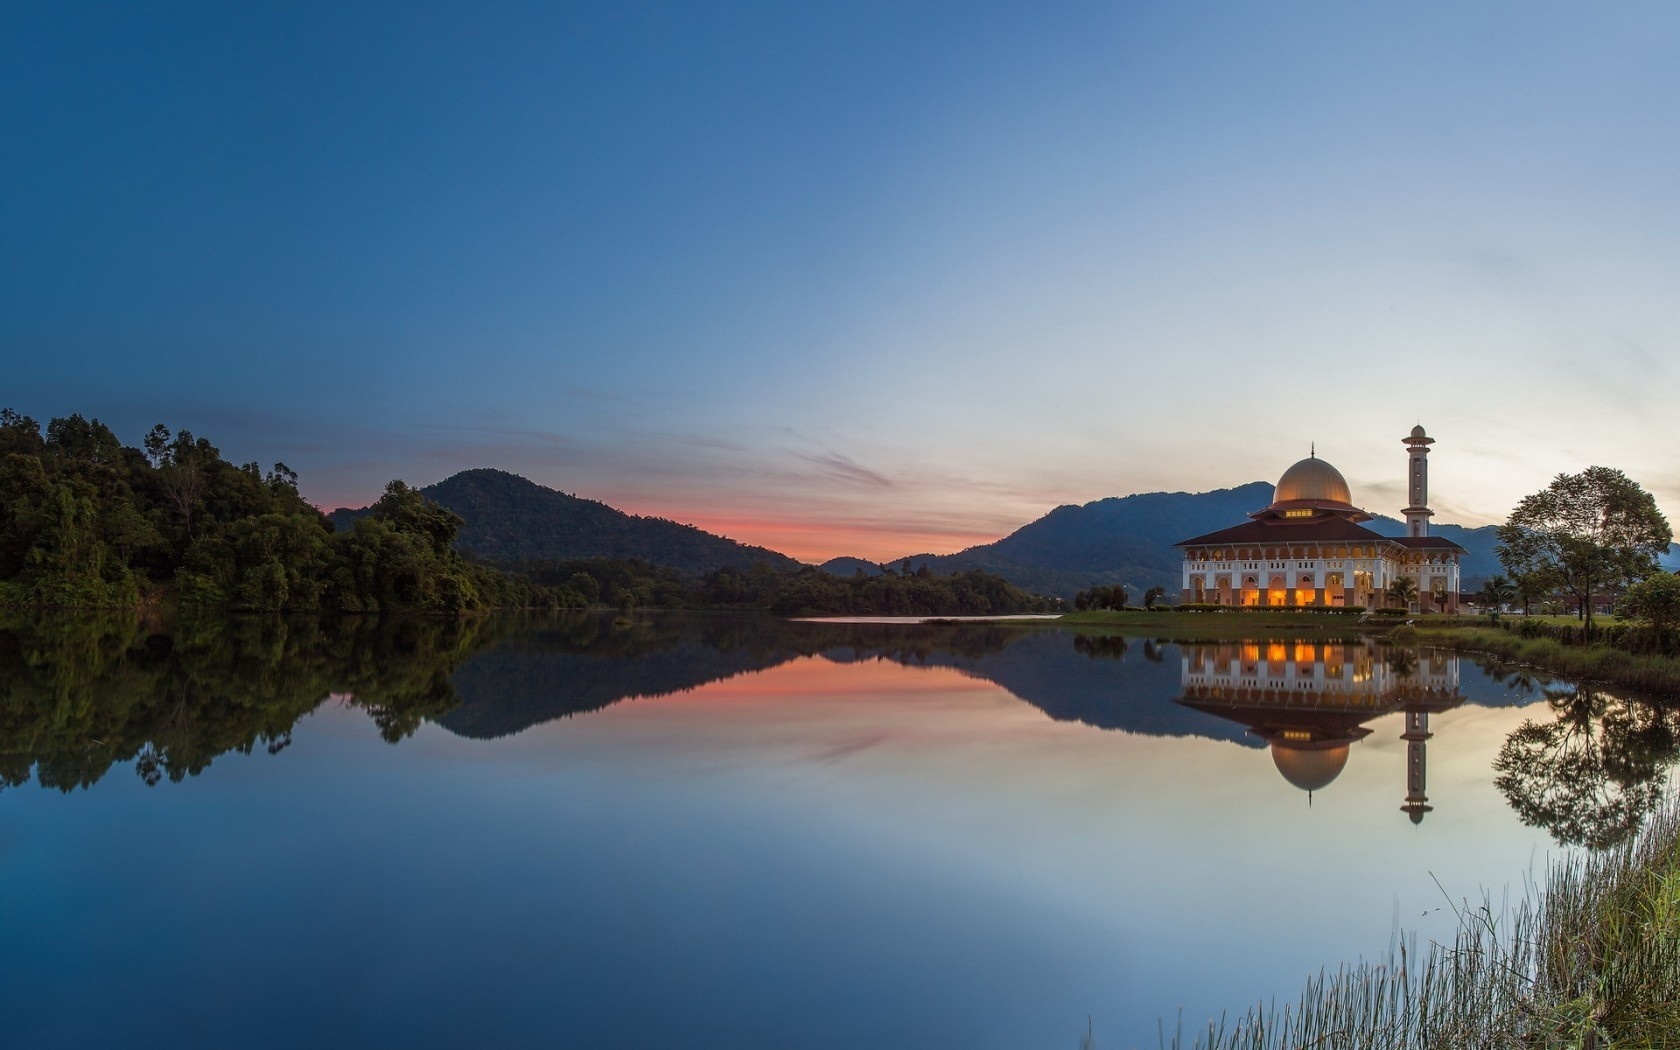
[
  {"x": 813, "y": 541},
  {"x": 814, "y": 676},
  {"x": 816, "y": 541}
]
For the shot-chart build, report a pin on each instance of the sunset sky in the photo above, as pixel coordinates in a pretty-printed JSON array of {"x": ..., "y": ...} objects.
[{"x": 869, "y": 279}]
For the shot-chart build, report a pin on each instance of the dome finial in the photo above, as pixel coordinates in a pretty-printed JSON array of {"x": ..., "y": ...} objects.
[{"x": 1312, "y": 450}]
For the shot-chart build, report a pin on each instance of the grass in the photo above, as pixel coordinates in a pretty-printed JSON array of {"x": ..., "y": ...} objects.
[
  {"x": 1588, "y": 960},
  {"x": 1201, "y": 626},
  {"x": 1590, "y": 663}
]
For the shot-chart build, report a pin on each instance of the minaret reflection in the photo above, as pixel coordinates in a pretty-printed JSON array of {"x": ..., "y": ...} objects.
[{"x": 1309, "y": 701}]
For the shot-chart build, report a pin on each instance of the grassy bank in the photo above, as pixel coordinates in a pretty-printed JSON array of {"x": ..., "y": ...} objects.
[
  {"x": 1171, "y": 625},
  {"x": 1589, "y": 959},
  {"x": 1593, "y": 663}
]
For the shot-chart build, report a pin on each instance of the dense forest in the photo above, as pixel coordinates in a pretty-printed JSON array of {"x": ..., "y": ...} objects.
[{"x": 87, "y": 522}]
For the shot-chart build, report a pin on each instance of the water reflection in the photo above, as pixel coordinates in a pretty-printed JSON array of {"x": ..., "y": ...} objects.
[
  {"x": 78, "y": 696},
  {"x": 81, "y": 695},
  {"x": 1593, "y": 772},
  {"x": 1309, "y": 701}
]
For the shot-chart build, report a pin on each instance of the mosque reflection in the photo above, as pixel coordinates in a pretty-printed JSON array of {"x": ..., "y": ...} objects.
[{"x": 1309, "y": 701}]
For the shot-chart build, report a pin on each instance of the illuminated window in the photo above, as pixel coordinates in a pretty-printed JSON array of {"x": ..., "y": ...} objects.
[{"x": 1302, "y": 512}]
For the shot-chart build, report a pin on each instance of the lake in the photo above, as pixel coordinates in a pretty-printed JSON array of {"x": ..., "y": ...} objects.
[{"x": 726, "y": 831}]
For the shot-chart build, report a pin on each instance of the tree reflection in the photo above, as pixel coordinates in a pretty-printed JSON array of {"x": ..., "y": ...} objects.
[
  {"x": 80, "y": 695},
  {"x": 1592, "y": 774},
  {"x": 1101, "y": 647}
]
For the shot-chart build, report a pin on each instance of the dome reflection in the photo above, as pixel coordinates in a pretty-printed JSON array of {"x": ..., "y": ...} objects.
[{"x": 1310, "y": 700}]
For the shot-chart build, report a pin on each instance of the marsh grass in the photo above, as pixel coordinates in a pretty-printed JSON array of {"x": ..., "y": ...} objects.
[
  {"x": 1590, "y": 959},
  {"x": 1594, "y": 663}
]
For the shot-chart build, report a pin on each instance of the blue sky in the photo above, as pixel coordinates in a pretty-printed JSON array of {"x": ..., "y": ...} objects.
[{"x": 871, "y": 279}]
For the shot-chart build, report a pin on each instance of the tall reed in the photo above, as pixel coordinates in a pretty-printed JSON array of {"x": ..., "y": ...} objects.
[{"x": 1588, "y": 959}]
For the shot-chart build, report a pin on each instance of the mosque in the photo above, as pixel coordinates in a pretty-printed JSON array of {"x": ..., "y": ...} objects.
[{"x": 1309, "y": 548}]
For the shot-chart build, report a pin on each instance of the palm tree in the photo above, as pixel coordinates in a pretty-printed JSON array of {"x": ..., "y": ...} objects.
[
  {"x": 1495, "y": 594},
  {"x": 1402, "y": 592}
]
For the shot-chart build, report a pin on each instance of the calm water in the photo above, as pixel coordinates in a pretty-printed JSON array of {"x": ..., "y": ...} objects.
[{"x": 738, "y": 833}]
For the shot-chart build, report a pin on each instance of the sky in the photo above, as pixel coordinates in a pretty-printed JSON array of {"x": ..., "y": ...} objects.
[{"x": 868, "y": 279}]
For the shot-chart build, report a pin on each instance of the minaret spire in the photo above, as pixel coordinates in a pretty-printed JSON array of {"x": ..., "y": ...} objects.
[{"x": 1417, "y": 481}]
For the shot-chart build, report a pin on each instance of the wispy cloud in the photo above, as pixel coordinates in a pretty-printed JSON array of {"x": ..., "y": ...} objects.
[{"x": 844, "y": 468}]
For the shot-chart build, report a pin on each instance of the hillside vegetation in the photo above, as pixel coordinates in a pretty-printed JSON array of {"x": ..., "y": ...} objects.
[
  {"x": 88, "y": 522},
  {"x": 509, "y": 519}
]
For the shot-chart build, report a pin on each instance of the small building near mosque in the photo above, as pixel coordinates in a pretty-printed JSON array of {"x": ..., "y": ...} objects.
[{"x": 1309, "y": 547}]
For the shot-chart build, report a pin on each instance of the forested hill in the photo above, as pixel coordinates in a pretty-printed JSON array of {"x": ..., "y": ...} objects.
[
  {"x": 88, "y": 522},
  {"x": 1129, "y": 540},
  {"x": 510, "y": 519}
]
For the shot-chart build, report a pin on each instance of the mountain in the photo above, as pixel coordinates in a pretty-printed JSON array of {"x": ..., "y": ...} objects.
[
  {"x": 1129, "y": 540},
  {"x": 850, "y": 566},
  {"x": 512, "y": 519}
]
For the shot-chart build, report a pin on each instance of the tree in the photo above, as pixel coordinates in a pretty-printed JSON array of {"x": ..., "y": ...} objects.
[
  {"x": 157, "y": 445},
  {"x": 1402, "y": 592},
  {"x": 1495, "y": 594},
  {"x": 1585, "y": 533},
  {"x": 1528, "y": 589},
  {"x": 1153, "y": 595},
  {"x": 410, "y": 512},
  {"x": 1655, "y": 604}
]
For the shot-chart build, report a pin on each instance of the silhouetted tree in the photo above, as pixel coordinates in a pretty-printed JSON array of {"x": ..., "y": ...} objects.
[{"x": 1583, "y": 534}]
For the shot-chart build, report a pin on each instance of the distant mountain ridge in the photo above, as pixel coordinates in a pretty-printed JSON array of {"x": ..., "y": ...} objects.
[
  {"x": 510, "y": 519},
  {"x": 1129, "y": 540},
  {"x": 1120, "y": 539}
]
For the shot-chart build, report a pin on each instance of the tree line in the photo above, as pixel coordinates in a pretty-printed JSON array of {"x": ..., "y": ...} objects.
[
  {"x": 806, "y": 591},
  {"x": 88, "y": 522}
]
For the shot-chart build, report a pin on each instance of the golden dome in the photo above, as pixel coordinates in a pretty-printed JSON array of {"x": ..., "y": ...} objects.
[
  {"x": 1309, "y": 768},
  {"x": 1313, "y": 479}
]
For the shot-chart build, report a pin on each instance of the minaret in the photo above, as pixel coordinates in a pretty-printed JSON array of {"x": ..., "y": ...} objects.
[
  {"x": 1417, "y": 483},
  {"x": 1417, "y": 731}
]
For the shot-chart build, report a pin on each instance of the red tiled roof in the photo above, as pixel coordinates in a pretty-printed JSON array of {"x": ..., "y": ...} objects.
[
  {"x": 1333, "y": 530},
  {"x": 1438, "y": 542}
]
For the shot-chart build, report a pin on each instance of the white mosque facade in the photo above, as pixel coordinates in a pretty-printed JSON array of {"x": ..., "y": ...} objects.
[{"x": 1308, "y": 547}]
